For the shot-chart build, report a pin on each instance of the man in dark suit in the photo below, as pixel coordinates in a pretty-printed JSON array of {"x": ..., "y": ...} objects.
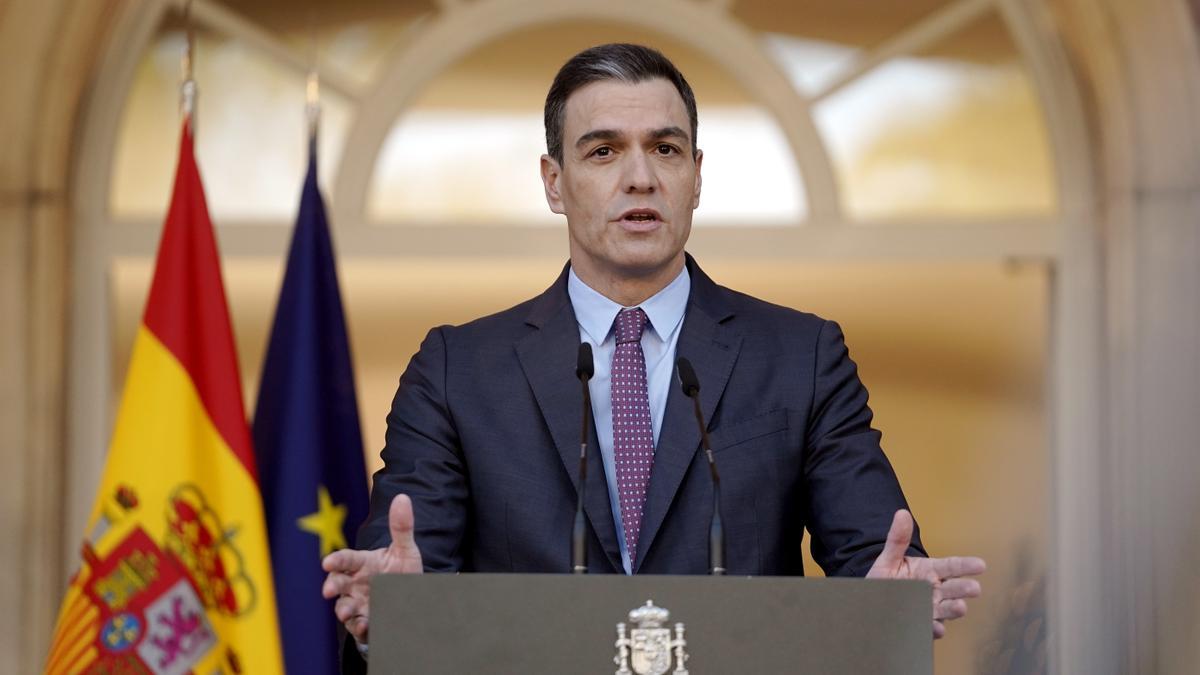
[{"x": 482, "y": 439}]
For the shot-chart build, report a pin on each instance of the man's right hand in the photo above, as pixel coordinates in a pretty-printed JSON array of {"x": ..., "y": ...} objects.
[{"x": 350, "y": 571}]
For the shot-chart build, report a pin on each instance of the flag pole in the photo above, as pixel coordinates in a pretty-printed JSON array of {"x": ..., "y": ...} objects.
[
  {"x": 312, "y": 106},
  {"x": 312, "y": 91},
  {"x": 187, "y": 88}
]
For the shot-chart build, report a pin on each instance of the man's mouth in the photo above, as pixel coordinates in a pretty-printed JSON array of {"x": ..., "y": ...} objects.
[{"x": 640, "y": 216}]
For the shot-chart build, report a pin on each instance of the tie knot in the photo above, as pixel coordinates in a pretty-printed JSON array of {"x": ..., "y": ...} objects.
[{"x": 630, "y": 325}]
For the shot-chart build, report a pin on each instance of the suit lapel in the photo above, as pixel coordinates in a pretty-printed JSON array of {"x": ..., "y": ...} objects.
[
  {"x": 712, "y": 347},
  {"x": 548, "y": 357}
]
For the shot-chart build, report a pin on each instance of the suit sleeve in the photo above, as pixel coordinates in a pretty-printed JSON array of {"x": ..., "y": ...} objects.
[
  {"x": 423, "y": 458},
  {"x": 852, "y": 491}
]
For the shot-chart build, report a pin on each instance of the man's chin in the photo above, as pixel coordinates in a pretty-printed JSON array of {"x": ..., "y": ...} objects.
[{"x": 645, "y": 264}]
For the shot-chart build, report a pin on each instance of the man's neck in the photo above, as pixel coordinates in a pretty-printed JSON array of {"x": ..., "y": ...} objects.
[{"x": 624, "y": 289}]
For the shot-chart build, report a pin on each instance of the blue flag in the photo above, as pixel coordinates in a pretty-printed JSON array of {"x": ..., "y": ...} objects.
[{"x": 308, "y": 440}]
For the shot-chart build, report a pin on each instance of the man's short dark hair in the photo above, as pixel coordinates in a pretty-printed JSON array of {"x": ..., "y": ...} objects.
[{"x": 618, "y": 61}]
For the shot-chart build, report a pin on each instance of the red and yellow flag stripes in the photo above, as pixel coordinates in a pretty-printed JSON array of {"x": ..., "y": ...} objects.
[{"x": 176, "y": 575}]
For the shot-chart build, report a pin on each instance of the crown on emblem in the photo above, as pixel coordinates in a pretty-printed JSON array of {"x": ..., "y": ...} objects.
[{"x": 649, "y": 616}]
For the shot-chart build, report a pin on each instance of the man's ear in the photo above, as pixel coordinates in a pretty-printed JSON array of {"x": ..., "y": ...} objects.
[
  {"x": 551, "y": 174},
  {"x": 696, "y": 195}
]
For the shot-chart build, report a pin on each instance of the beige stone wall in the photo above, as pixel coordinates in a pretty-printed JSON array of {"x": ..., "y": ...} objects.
[
  {"x": 1136, "y": 543},
  {"x": 47, "y": 49}
]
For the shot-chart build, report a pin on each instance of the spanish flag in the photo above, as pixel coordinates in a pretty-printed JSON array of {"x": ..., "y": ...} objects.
[{"x": 175, "y": 574}]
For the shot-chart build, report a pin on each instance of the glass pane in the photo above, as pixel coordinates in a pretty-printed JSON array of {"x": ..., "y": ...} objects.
[
  {"x": 354, "y": 37},
  {"x": 954, "y": 131},
  {"x": 467, "y": 150},
  {"x": 750, "y": 174},
  {"x": 810, "y": 64},
  {"x": 850, "y": 23},
  {"x": 250, "y": 138},
  {"x": 461, "y": 166}
]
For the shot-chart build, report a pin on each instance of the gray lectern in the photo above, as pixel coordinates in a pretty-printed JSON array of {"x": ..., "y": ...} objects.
[{"x": 531, "y": 624}]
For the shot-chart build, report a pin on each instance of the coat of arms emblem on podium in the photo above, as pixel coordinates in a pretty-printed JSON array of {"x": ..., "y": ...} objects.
[{"x": 649, "y": 647}]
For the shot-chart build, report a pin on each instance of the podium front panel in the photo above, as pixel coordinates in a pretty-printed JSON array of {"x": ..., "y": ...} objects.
[{"x": 530, "y": 624}]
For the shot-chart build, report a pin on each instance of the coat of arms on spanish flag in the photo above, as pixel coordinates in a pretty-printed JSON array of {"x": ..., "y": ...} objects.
[{"x": 175, "y": 575}]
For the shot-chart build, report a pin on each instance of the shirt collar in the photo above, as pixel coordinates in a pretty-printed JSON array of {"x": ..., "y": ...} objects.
[{"x": 596, "y": 313}]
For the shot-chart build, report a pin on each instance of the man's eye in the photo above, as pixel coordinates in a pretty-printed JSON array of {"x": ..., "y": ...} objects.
[
  {"x": 602, "y": 152},
  {"x": 664, "y": 149}
]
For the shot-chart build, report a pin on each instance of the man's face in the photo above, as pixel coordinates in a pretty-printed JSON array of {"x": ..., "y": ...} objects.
[{"x": 628, "y": 181}]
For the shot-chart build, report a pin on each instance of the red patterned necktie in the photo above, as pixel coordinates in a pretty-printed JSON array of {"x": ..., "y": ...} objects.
[{"x": 633, "y": 435}]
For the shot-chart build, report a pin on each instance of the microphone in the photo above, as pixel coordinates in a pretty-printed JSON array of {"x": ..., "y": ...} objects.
[
  {"x": 584, "y": 371},
  {"x": 716, "y": 532}
]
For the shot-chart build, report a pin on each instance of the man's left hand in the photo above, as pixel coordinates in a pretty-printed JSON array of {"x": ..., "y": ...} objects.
[{"x": 951, "y": 588}]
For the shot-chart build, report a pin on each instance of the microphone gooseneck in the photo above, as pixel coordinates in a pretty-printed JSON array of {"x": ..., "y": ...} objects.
[
  {"x": 690, "y": 385},
  {"x": 584, "y": 371}
]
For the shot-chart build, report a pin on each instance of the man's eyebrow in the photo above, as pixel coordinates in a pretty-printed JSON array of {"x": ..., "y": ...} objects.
[
  {"x": 612, "y": 134},
  {"x": 669, "y": 132},
  {"x": 597, "y": 135}
]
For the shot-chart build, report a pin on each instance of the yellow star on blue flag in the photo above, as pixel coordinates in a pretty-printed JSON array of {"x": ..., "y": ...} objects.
[{"x": 326, "y": 522}]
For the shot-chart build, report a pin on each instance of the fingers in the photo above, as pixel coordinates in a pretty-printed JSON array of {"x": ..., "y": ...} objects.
[
  {"x": 939, "y": 630},
  {"x": 898, "y": 538},
  {"x": 953, "y": 589},
  {"x": 947, "y": 610},
  {"x": 353, "y": 613},
  {"x": 401, "y": 522},
  {"x": 343, "y": 567},
  {"x": 336, "y": 583},
  {"x": 350, "y": 571},
  {"x": 353, "y": 601},
  {"x": 346, "y": 560},
  {"x": 949, "y": 601},
  {"x": 403, "y": 556},
  {"x": 348, "y": 607},
  {"x": 958, "y": 566},
  {"x": 358, "y": 627}
]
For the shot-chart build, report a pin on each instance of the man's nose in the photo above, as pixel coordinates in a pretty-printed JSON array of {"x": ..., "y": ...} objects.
[{"x": 639, "y": 173}]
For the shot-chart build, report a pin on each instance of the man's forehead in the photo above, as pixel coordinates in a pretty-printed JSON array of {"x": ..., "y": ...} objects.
[{"x": 628, "y": 106}]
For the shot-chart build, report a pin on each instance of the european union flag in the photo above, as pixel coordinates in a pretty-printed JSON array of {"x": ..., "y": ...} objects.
[{"x": 308, "y": 440}]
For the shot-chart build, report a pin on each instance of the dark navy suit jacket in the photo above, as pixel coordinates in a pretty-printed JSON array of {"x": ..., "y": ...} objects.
[{"x": 483, "y": 435}]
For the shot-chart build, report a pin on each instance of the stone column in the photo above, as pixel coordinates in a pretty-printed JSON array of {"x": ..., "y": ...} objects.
[
  {"x": 1134, "y": 534},
  {"x": 47, "y": 49}
]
